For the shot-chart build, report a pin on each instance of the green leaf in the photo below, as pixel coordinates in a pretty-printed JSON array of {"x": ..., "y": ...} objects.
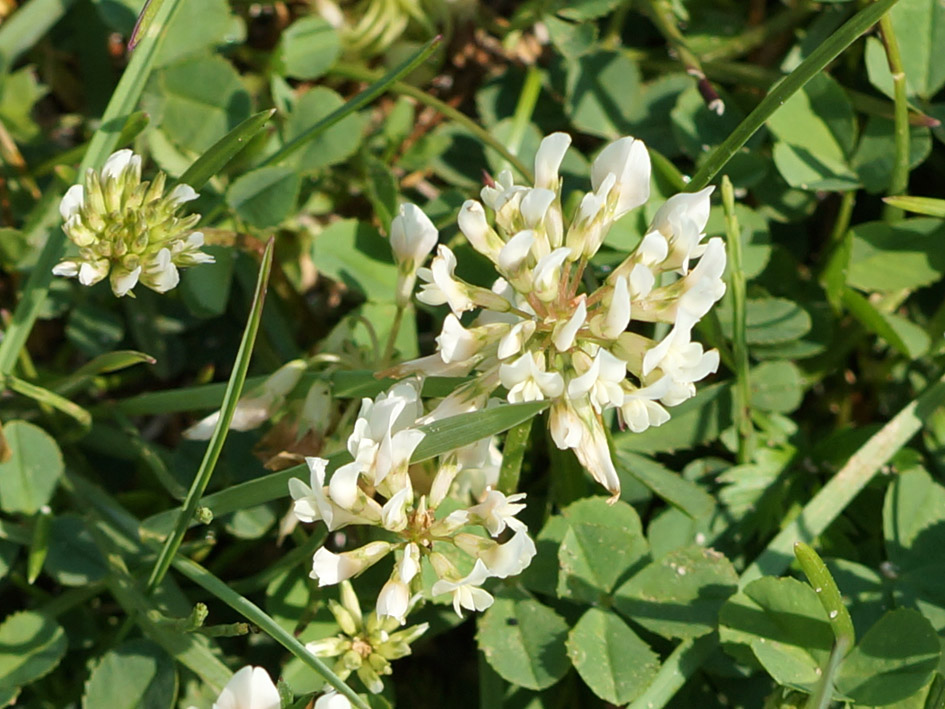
[
  {"x": 73, "y": 559},
  {"x": 94, "y": 330},
  {"x": 602, "y": 543},
  {"x": 198, "y": 26},
  {"x": 776, "y": 386},
  {"x": 206, "y": 290},
  {"x": 695, "y": 421},
  {"x": 876, "y": 154},
  {"x": 382, "y": 190},
  {"x": 113, "y": 362},
  {"x": 611, "y": 659},
  {"x": 30, "y": 476},
  {"x": 265, "y": 196},
  {"x": 602, "y": 96},
  {"x": 889, "y": 257},
  {"x": 877, "y": 322},
  {"x": 571, "y": 39},
  {"x": 31, "y": 645},
  {"x": 785, "y": 626},
  {"x": 920, "y": 27},
  {"x": 354, "y": 253},
  {"x": 672, "y": 487},
  {"x": 308, "y": 48},
  {"x": 215, "y": 158},
  {"x": 679, "y": 596},
  {"x": 914, "y": 519},
  {"x": 816, "y": 130},
  {"x": 200, "y": 100},
  {"x": 137, "y": 674},
  {"x": 523, "y": 641},
  {"x": 893, "y": 661},
  {"x": 768, "y": 320},
  {"x": 920, "y": 205},
  {"x": 330, "y": 146},
  {"x": 19, "y": 92}
]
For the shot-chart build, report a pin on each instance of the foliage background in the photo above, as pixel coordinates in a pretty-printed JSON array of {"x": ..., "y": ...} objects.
[{"x": 843, "y": 312}]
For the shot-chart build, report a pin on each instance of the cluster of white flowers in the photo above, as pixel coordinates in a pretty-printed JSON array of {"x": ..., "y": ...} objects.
[
  {"x": 128, "y": 229},
  {"x": 540, "y": 337},
  {"x": 376, "y": 489}
]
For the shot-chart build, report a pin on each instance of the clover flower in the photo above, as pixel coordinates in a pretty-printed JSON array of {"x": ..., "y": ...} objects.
[
  {"x": 129, "y": 230},
  {"x": 541, "y": 338},
  {"x": 365, "y": 646},
  {"x": 376, "y": 489}
]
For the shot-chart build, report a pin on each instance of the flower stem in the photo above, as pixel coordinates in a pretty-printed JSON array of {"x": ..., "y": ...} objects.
[
  {"x": 392, "y": 337},
  {"x": 899, "y": 180}
]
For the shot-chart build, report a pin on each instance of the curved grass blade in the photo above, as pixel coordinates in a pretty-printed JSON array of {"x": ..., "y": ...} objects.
[
  {"x": 442, "y": 437},
  {"x": 791, "y": 84},
  {"x": 362, "y": 99},
  {"x": 44, "y": 396},
  {"x": 233, "y": 389},
  {"x": 122, "y": 103},
  {"x": 820, "y": 578},
  {"x": 224, "y": 150},
  {"x": 920, "y": 205},
  {"x": 253, "y": 613}
]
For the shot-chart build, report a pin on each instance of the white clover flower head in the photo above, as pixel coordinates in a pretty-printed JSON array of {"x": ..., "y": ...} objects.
[
  {"x": 129, "y": 230},
  {"x": 249, "y": 688},
  {"x": 586, "y": 352}
]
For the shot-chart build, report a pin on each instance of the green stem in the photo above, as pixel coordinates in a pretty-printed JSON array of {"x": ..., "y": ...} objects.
[
  {"x": 49, "y": 398},
  {"x": 524, "y": 108},
  {"x": 739, "y": 338},
  {"x": 362, "y": 74},
  {"x": 899, "y": 180},
  {"x": 233, "y": 389},
  {"x": 103, "y": 141},
  {"x": 833, "y": 275},
  {"x": 805, "y": 71},
  {"x": 513, "y": 454},
  {"x": 822, "y": 696},
  {"x": 392, "y": 337},
  {"x": 663, "y": 16},
  {"x": 256, "y": 615}
]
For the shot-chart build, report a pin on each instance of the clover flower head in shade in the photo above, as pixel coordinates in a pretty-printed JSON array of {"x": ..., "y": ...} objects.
[
  {"x": 377, "y": 489},
  {"x": 129, "y": 230},
  {"x": 540, "y": 337},
  {"x": 249, "y": 688},
  {"x": 365, "y": 645}
]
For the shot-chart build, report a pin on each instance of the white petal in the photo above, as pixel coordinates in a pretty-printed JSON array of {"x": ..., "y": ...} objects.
[
  {"x": 118, "y": 161},
  {"x": 92, "y": 273},
  {"x": 183, "y": 193},
  {"x": 69, "y": 269},
  {"x": 516, "y": 250},
  {"x": 535, "y": 205},
  {"x": 564, "y": 337},
  {"x": 123, "y": 283},
  {"x": 72, "y": 200},
  {"x": 548, "y": 159}
]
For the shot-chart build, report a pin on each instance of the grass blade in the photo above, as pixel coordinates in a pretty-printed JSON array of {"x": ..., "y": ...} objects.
[
  {"x": 224, "y": 150},
  {"x": 442, "y": 436},
  {"x": 829, "y": 50},
  {"x": 253, "y": 613},
  {"x": 920, "y": 205},
  {"x": 233, "y": 389},
  {"x": 122, "y": 103},
  {"x": 362, "y": 99}
]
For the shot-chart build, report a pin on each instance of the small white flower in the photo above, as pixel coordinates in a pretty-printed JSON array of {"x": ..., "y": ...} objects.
[
  {"x": 497, "y": 511},
  {"x": 473, "y": 224},
  {"x": 547, "y": 274},
  {"x": 394, "y": 598},
  {"x": 440, "y": 286},
  {"x": 627, "y": 160},
  {"x": 639, "y": 409},
  {"x": 466, "y": 591},
  {"x": 412, "y": 236},
  {"x": 249, "y": 688},
  {"x": 527, "y": 380},
  {"x": 601, "y": 383},
  {"x": 566, "y": 332},
  {"x": 311, "y": 504},
  {"x": 514, "y": 340},
  {"x": 512, "y": 557},
  {"x": 548, "y": 159},
  {"x": 330, "y": 568}
]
